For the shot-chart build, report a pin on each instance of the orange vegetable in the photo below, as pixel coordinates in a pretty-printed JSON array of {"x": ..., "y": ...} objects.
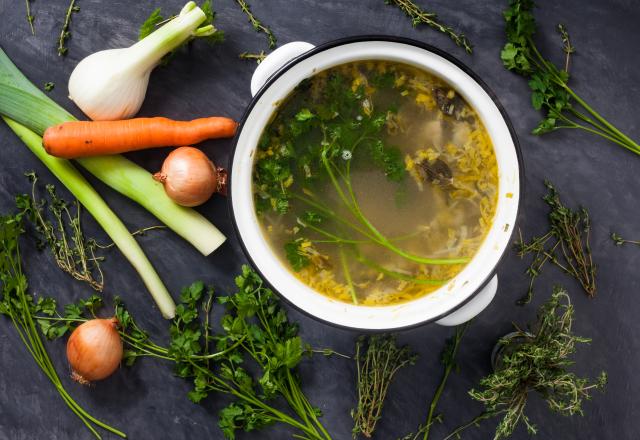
[{"x": 96, "y": 138}]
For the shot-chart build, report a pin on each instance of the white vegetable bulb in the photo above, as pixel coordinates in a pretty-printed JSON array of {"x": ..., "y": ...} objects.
[{"x": 111, "y": 84}]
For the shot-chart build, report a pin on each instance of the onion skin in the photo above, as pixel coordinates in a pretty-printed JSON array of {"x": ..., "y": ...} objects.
[
  {"x": 189, "y": 177},
  {"x": 94, "y": 350}
]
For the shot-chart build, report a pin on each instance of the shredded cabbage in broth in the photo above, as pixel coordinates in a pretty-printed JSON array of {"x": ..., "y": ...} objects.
[{"x": 375, "y": 182}]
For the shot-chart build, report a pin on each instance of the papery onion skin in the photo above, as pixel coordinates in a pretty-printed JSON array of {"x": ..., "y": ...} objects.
[
  {"x": 94, "y": 350},
  {"x": 188, "y": 176}
]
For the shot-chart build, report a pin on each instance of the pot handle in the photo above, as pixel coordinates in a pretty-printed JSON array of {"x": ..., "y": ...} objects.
[
  {"x": 473, "y": 307},
  {"x": 275, "y": 60}
]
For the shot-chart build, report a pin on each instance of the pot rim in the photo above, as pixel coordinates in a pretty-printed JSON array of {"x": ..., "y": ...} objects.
[{"x": 369, "y": 38}]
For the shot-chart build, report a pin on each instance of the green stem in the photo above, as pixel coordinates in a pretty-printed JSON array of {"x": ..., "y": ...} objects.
[
  {"x": 475, "y": 421},
  {"x": 347, "y": 276},
  {"x": 397, "y": 275},
  {"x": 357, "y": 213},
  {"x": 460, "y": 330}
]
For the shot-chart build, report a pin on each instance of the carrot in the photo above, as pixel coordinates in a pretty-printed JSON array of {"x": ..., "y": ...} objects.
[{"x": 96, "y": 138}]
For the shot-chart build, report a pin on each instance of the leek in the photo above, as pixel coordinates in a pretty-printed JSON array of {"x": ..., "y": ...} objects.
[
  {"x": 91, "y": 200},
  {"x": 23, "y": 102}
]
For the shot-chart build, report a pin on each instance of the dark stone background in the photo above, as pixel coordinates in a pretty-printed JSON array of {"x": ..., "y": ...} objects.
[{"x": 149, "y": 403}]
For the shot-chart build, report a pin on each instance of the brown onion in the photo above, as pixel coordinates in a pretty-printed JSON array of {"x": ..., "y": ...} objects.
[
  {"x": 94, "y": 350},
  {"x": 189, "y": 177}
]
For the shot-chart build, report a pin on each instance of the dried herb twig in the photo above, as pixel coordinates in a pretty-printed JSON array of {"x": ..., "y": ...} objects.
[
  {"x": 257, "y": 24},
  {"x": 419, "y": 16},
  {"x": 567, "y": 47},
  {"x": 30, "y": 17},
  {"x": 73, "y": 252},
  {"x": 141, "y": 232},
  {"x": 619, "y": 241},
  {"x": 565, "y": 245},
  {"x": 65, "y": 34},
  {"x": 448, "y": 359},
  {"x": 376, "y": 371},
  {"x": 258, "y": 57},
  {"x": 535, "y": 360}
]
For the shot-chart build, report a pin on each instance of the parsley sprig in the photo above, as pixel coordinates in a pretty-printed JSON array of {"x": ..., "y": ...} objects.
[
  {"x": 253, "y": 357},
  {"x": 551, "y": 93}
]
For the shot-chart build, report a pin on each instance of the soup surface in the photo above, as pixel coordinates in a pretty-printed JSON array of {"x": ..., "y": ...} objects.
[{"x": 375, "y": 182}]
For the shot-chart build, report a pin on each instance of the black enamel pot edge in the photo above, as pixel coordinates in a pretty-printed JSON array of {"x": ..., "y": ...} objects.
[{"x": 383, "y": 38}]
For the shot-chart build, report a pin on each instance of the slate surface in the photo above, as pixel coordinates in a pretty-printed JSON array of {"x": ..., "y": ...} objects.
[{"x": 149, "y": 403}]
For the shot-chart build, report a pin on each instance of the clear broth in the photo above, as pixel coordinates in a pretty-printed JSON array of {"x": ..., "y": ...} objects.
[{"x": 387, "y": 143}]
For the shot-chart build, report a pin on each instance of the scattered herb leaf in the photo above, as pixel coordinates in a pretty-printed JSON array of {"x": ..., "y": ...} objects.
[{"x": 49, "y": 86}]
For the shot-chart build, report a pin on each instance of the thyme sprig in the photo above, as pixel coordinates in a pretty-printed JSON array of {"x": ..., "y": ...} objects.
[
  {"x": 65, "y": 34},
  {"x": 376, "y": 370},
  {"x": 448, "y": 359},
  {"x": 619, "y": 241},
  {"x": 535, "y": 360},
  {"x": 551, "y": 93},
  {"x": 419, "y": 16},
  {"x": 566, "y": 245},
  {"x": 257, "y": 24},
  {"x": 567, "y": 47},
  {"x": 258, "y": 57},
  {"x": 73, "y": 252}
]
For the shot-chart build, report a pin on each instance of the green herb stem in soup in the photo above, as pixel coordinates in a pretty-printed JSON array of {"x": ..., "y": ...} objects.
[{"x": 375, "y": 182}]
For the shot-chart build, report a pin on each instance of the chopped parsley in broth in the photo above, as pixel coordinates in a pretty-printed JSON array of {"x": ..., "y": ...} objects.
[{"x": 375, "y": 182}]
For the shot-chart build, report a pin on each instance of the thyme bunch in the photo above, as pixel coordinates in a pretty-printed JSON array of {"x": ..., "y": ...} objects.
[
  {"x": 419, "y": 16},
  {"x": 376, "y": 370},
  {"x": 73, "y": 252},
  {"x": 257, "y": 24},
  {"x": 566, "y": 245},
  {"x": 535, "y": 360}
]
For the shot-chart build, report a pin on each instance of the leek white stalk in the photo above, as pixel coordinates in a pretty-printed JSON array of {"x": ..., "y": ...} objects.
[
  {"x": 91, "y": 200},
  {"x": 111, "y": 84},
  {"x": 23, "y": 102}
]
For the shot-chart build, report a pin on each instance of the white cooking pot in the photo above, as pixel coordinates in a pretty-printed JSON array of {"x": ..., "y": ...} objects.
[{"x": 461, "y": 298}]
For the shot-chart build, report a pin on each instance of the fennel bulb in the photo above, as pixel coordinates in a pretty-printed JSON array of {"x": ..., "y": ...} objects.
[{"x": 111, "y": 84}]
